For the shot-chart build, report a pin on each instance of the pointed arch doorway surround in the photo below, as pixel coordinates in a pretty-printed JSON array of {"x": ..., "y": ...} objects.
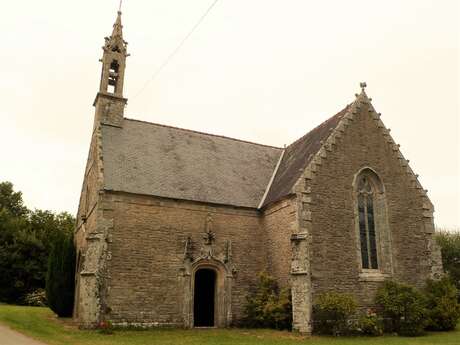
[{"x": 207, "y": 294}]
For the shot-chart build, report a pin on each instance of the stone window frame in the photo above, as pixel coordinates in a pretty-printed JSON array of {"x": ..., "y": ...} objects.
[
  {"x": 366, "y": 194},
  {"x": 114, "y": 74},
  {"x": 382, "y": 229}
]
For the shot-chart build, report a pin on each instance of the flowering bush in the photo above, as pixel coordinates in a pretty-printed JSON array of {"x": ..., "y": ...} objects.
[
  {"x": 105, "y": 327},
  {"x": 370, "y": 324}
]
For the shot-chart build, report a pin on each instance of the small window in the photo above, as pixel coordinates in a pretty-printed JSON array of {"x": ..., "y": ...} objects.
[
  {"x": 113, "y": 76},
  {"x": 111, "y": 88},
  {"x": 114, "y": 66},
  {"x": 366, "y": 217}
]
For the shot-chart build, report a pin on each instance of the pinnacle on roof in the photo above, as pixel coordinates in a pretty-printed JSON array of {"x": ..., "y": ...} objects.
[
  {"x": 117, "y": 27},
  {"x": 115, "y": 42},
  {"x": 363, "y": 95}
]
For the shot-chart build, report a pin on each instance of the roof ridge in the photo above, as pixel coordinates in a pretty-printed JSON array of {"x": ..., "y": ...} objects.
[{"x": 210, "y": 134}]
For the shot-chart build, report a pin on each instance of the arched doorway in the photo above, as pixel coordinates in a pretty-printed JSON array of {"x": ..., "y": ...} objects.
[
  {"x": 222, "y": 293},
  {"x": 204, "y": 299}
]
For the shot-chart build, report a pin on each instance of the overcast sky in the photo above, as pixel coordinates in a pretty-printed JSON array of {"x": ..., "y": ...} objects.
[{"x": 266, "y": 71}]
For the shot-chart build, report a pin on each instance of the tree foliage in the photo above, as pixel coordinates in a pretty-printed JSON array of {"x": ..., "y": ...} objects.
[
  {"x": 443, "y": 307},
  {"x": 60, "y": 278},
  {"x": 449, "y": 241},
  {"x": 25, "y": 242},
  {"x": 11, "y": 201}
]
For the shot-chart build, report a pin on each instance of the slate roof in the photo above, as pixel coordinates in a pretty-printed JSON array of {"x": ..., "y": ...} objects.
[
  {"x": 297, "y": 157},
  {"x": 153, "y": 159}
]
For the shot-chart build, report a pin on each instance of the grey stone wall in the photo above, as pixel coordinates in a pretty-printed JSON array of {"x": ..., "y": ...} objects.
[
  {"x": 405, "y": 253},
  {"x": 138, "y": 254},
  {"x": 279, "y": 223},
  {"x": 109, "y": 109},
  {"x": 90, "y": 239},
  {"x": 149, "y": 259}
]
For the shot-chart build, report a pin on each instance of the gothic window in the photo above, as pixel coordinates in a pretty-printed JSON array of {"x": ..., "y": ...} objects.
[{"x": 366, "y": 195}]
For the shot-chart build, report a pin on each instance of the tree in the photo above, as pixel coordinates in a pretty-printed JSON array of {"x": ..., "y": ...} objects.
[
  {"x": 60, "y": 278},
  {"x": 26, "y": 238},
  {"x": 11, "y": 201},
  {"x": 14, "y": 243},
  {"x": 443, "y": 307},
  {"x": 13, "y": 246},
  {"x": 47, "y": 225},
  {"x": 450, "y": 250}
]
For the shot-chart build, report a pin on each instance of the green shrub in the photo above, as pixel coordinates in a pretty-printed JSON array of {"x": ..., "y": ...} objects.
[
  {"x": 36, "y": 298},
  {"x": 404, "y": 307},
  {"x": 332, "y": 313},
  {"x": 370, "y": 324},
  {"x": 60, "y": 278},
  {"x": 267, "y": 306},
  {"x": 443, "y": 307}
]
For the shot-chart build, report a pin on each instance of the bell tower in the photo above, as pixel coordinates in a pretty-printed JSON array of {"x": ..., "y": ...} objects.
[{"x": 109, "y": 102}]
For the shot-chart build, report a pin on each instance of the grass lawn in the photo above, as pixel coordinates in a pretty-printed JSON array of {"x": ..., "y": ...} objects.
[{"x": 41, "y": 324}]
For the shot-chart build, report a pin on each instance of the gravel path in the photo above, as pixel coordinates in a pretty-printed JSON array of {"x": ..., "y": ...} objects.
[{"x": 10, "y": 337}]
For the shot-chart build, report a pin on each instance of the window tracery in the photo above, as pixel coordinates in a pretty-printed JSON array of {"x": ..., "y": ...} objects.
[{"x": 366, "y": 193}]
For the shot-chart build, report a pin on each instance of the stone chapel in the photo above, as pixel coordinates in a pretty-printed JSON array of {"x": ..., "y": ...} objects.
[{"x": 174, "y": 225}]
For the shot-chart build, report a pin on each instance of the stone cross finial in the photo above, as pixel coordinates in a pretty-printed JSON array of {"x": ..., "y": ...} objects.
[{"x": 363, "y": 85}]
